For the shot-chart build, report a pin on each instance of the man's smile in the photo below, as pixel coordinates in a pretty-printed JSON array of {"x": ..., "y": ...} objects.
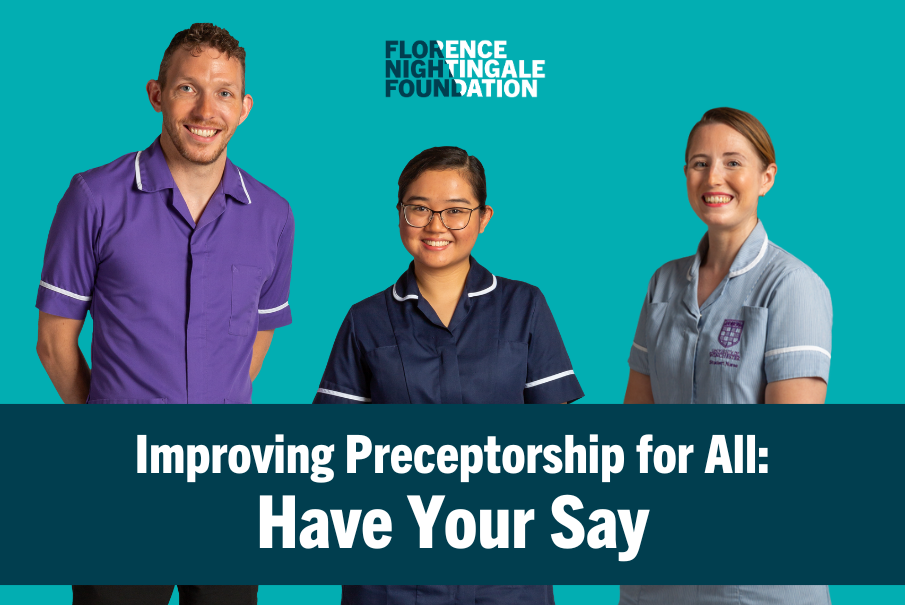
[{"x": 203, "y": 133}]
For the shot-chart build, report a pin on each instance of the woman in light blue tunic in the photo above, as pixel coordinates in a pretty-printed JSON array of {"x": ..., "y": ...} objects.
[{"x": 741, "y": 321}]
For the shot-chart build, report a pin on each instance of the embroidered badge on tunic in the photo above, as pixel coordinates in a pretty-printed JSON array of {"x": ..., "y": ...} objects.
[{"x": 731, "y": 332}]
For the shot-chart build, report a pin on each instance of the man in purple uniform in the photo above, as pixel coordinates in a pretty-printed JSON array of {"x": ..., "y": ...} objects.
[{"x": 182, "y": 258}]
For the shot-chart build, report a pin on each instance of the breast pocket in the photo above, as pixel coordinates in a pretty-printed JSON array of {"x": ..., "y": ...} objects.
[
  {"x": 246, "y": 290},
  {"x": 511, "y": 373},
  {"x": 387, "y": 376},
  {"x": 750, "y": 382}
]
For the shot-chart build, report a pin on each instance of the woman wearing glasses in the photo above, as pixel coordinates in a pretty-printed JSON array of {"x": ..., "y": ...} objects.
[
  {"x": 741, "y": 321},
  {"x": 448, "y": 330}
]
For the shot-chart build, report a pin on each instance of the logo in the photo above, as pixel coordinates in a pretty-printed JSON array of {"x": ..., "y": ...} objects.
[
  {"x": 731, "y": 332},
  {"x": 459, "y": 68}
]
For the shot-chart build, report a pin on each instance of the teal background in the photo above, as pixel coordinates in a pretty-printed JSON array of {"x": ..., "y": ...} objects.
[
  {"x": 585, "y": 179},
  {"x": 565, "y": 595}
]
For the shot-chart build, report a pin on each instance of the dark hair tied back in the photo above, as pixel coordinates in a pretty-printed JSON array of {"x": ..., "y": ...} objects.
[{"x": 446, "y": 158}]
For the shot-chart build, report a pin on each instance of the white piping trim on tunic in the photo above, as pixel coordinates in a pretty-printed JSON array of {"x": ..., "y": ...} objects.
[
  {"x": 401, "y": 298},
  {"x": 760, "y": 255},
  {"x": 275, "y": 309},
  {"x": 794, "y": 349},
  {"x": 65, "y": 292},
  {"x": 483, "y": 292},
  {"x": 344, "y": 395},
  {"x": 549, "y": 379},
  {"x": 241, "y": 180},
  {"x": 639, "y": 347},
  {"x": 138, "y": 172}
]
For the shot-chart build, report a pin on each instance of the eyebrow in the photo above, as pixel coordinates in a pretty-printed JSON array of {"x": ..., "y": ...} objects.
[
  {"x": 418, "y": 198},
  {"x": 218, "y": 81},
  {"x": 704, "y": 155}
]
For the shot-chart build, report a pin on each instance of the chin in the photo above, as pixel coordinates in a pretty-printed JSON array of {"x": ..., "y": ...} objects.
[{"x": 201, "y": 156}]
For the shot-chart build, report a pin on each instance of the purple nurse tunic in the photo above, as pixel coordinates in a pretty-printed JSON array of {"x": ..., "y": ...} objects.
[{"x": 176, "y": 305}]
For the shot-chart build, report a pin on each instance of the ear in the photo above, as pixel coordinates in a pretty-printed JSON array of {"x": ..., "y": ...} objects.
[
  {"x": 154, "y": 95},
  {"x": 247, "y": 102},
  {"x": 486, "y": 215},
  {"x": 767, "y": 179},
  {"x": 685, "y": 170}
]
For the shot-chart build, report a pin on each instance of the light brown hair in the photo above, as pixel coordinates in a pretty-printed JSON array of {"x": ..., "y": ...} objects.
[
  {"x": 194, "y": 39},
  {"x": 743, "y": 123}
]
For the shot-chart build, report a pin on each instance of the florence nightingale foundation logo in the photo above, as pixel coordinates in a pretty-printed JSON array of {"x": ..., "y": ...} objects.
[{"x": 458, "y": 68}]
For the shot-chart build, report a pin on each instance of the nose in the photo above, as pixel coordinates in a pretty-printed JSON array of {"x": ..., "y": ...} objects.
[
  {"x": 436, "y": 225},
  {"x": 205, "y": 107},
  {"x": 715, "y": 176}
]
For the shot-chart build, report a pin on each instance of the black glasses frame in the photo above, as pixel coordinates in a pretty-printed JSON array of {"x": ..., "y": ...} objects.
[{"x": 440, "y": 212}]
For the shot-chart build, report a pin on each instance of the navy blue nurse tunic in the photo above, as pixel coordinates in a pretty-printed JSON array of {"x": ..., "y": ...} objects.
[{"x": 501, "y": 346}]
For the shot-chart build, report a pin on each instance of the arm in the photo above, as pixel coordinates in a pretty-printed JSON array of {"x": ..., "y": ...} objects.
[
  {"x": 259, "y": 351},
  {"x": 58, "y": 349},
  {"x": 550, "y": 378},
  {"x": 638, "y": 389},
  {"x": 796, "y": 390}
]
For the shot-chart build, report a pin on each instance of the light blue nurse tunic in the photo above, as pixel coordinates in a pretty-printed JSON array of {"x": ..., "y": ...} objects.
[
  {"x": 770, "y": 319},
  {"x": 725, "y": 595}
]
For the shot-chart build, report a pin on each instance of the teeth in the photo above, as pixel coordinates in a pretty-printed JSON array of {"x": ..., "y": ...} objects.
[
  {"x": 202, "y": 133},
  {"x": 717, "y": 199},
  {"x": 436, "y": 242}
]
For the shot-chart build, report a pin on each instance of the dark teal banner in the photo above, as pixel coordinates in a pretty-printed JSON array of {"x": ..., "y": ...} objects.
[{"x": 505, "y": 494}]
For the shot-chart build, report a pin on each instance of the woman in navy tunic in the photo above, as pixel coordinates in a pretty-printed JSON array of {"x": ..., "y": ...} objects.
[
  {"x": 742, "y": 321},
  {"x": 448, "y": 331}
]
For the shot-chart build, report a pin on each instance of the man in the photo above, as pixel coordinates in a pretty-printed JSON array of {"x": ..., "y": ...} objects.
[{"x": 182, "y": 258}]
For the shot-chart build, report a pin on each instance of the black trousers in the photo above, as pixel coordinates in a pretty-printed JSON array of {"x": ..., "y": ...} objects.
[{"x": 160, "y": 595}]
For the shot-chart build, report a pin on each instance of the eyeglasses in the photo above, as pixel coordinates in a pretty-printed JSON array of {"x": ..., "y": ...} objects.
[{"x": 452, "y": 218}]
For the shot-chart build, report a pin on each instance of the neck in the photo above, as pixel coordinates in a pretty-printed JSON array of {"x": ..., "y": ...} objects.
[
  {"x": 724, "y": 245},
  {"x": 196, "y": 182},
  {"x": 444, "y": 283}
]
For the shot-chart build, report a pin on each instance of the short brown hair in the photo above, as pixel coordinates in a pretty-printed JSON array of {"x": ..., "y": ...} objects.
[
  {"x": 195, "y": 38},
  {"x": 745, "y": 124},
  {"x": 446, "y": 158}
]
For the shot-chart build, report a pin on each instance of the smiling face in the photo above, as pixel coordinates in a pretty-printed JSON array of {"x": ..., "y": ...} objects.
[
  {"x": 434, "y": 246},
  {"x": 202, "y": 104},
  {"x": 725, "y": 176}
]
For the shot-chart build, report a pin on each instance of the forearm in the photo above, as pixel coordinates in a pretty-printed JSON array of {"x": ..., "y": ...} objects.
[
  {"x": 639, "y": 389},
  {"x": 796, "y": 390},
  {"x": 259, "y": 351},
  {"x": 67, "y": 369}
]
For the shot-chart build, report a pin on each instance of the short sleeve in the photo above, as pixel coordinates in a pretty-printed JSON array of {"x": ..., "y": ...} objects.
[
  {"x": 70, "y": 258},
  {"x": 799, "y": 328},
  {"x": 273, "y": 308},
  {"x": 638, "y": 358},
  {"x": 345, "y": 379},
  {"x": 550, "y": 375}
]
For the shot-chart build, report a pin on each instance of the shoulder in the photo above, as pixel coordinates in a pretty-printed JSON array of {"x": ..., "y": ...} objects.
[
  {"x": 371, "y": 311},
  {"x": 670, "y": 277},
  {"x": 111, "y": 180},
  {"x": 262, "y": 196},
  {"x": 514, "y": 291},
  {"x": 785, "y": 275}
]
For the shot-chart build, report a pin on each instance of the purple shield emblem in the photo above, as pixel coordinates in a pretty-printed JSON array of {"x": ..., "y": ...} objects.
[{"x": 731, "y": 332}]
